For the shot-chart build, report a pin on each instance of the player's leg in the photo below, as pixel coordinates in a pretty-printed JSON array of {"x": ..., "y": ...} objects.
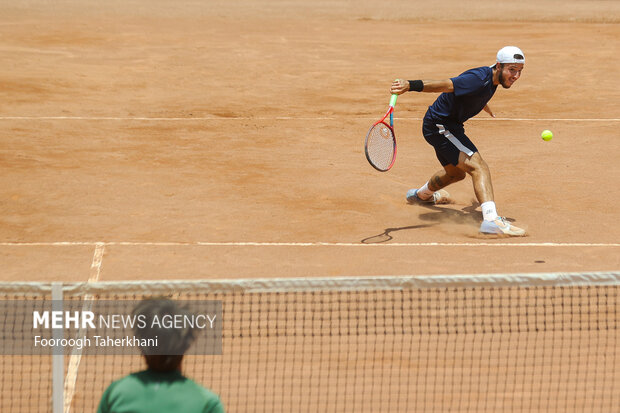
[
  {"x": 480, "y": 174},
  {"x": 432, "y": 191},
  {"x": 448, "y": 155},
  {"x": 455, "y": 150},
  {"x": 448, "y": 175}
]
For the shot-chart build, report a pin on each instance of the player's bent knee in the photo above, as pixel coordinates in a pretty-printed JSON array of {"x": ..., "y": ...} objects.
[
  {"x": 472, "y": 164},
  {"x": 454, "y": 173},
  {"x": 458, "y": 176}
]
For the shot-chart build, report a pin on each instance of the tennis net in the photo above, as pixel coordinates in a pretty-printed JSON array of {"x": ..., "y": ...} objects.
[{"x": 480, "y": 343}]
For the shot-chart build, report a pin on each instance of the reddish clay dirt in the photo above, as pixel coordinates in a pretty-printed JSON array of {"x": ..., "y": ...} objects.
[
  {"x": 179, "y": 132},
  {"x": 169, "y": 126}
]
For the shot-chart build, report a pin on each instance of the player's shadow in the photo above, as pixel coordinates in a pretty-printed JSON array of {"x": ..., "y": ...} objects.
[
  {"x": 468, "y": 215},
  {"x": 386, "y": 236},
  {"x": 465, "y": 216}
]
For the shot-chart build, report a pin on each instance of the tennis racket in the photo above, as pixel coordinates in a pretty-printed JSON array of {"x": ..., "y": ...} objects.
[{"x": 380, "y": 146}]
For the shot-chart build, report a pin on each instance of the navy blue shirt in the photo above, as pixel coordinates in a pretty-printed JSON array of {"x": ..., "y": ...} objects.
[{"x": 472, "y": 90}]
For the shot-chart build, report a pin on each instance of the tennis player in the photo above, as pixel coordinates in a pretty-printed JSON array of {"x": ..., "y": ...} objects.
[
  {"x": 461, "y": 98},
  {"x": 161, "y": 388}
]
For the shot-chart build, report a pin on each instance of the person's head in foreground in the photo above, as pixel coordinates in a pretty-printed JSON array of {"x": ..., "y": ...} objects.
[
  {"x": 509, "y": 65},
  {"x": 172, "y": 343},
  {"x": 161, "y": 388}
]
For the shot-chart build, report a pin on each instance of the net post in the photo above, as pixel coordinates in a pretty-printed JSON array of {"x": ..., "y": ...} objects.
[{"x": 58, "y": 362}]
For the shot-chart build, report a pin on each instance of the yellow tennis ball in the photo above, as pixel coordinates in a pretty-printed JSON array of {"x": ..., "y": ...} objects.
[{"x": 546, "y": 135}]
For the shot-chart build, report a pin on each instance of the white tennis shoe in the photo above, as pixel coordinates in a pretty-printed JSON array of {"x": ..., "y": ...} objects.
[{"x": 502, "y": 227}]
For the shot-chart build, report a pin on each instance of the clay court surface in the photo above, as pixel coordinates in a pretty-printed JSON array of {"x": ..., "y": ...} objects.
[{"x": 212, "y": 139}]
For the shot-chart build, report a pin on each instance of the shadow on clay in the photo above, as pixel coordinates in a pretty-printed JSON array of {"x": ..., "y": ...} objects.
[
  {"x": 386, "y": 236},
  {"x": 467, "y": 216}
]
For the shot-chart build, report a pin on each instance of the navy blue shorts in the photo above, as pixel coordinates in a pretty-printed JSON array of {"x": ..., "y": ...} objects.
[{"x": 448, "y": 139}]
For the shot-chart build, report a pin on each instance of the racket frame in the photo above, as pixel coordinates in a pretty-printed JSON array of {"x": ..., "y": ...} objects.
[{"x": 390, "y": 113}]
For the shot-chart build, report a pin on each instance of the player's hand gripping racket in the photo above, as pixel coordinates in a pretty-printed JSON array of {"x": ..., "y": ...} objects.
[{"x": 380, "y": 144}]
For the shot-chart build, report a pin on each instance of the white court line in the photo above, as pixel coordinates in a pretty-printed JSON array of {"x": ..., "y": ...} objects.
[
  {"x": 305, "y": 244},
  {"x": 76, "y": 355},
  {"x": 216, "y": 118}
]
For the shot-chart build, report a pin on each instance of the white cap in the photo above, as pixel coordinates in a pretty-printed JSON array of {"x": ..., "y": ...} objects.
[{"x": 510, "y": 54}]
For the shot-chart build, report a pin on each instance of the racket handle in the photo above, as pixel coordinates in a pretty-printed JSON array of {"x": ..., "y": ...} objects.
[{"x": 393, "y": 100}]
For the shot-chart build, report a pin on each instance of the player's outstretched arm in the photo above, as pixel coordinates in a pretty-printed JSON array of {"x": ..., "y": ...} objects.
[{"x": 400, "y": 86}]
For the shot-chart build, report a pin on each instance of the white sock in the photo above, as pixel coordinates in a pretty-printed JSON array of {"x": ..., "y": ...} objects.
[
  {"x": 489, "y": 213},
  {"x": 425, "y": 193}
]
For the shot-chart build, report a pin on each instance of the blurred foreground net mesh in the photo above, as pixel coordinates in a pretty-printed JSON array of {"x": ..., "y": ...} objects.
[{"x": 496, "y": 343}]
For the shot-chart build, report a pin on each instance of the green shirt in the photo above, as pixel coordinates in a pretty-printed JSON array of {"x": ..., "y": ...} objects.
[{"x": 153, "y": 392}]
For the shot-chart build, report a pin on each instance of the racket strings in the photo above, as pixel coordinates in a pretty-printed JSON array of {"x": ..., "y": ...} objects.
[{"x": 381, "y": 146}]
